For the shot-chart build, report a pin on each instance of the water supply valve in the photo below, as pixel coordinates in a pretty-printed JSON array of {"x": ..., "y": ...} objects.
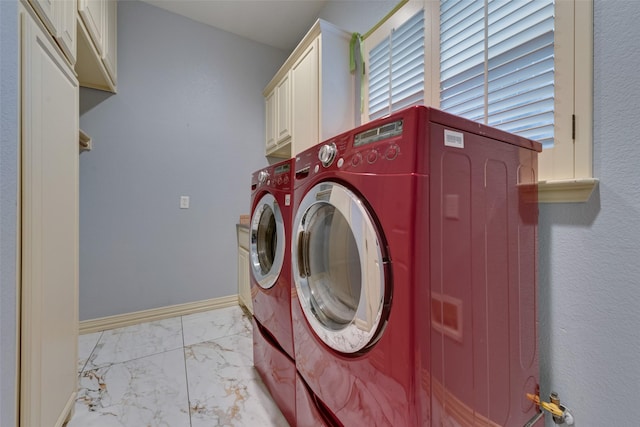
[{"x": 559, "y": 412}]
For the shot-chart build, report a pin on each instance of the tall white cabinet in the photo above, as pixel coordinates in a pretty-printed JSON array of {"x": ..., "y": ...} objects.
[{"x": 49, "y": 228}]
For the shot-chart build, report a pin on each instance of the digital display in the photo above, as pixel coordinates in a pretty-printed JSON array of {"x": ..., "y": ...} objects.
[
  {"x": 283, "y": 169},
  {"x": 378, "y": 134}
]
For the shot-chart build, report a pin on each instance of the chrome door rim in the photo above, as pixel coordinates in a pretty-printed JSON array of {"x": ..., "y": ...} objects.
[
  {"x": 365, "y": 328},
  {"x": 267, "y": 279}
]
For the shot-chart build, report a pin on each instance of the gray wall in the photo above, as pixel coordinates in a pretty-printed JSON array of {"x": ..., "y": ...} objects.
[
  {"x": 188, "y": 119},
  {"x": 8, "y": 203},
  {"x": 590, "y": 253},
  {"x": 356, "y": 15}
]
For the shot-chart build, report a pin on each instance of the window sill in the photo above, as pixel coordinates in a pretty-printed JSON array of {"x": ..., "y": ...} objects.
[{"x": 566, "y": 191}]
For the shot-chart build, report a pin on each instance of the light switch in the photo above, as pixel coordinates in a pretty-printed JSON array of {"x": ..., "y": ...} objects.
[{"x": 184, "y": 202}]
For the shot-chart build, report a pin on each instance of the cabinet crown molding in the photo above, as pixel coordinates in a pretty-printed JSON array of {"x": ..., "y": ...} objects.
[{"x": 319, "y": 27}]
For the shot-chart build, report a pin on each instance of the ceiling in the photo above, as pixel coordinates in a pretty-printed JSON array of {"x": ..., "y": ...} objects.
[{"x": 277, "y": 23}]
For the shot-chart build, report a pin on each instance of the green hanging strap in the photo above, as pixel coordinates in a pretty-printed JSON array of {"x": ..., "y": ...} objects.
[
  {"x": 357, "y": 43},
  {"x": 356, "y": 40}
]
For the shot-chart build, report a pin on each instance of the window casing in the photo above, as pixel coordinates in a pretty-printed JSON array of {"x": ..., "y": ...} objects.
[{"x": 474, "y": 69}]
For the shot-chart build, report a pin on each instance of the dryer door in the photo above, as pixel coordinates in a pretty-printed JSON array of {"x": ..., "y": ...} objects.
[
  {"x": 338, "y": 268},
  {"x": 267, "y": 242}
]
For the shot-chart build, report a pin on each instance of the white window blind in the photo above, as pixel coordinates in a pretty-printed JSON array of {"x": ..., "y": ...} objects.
[
  {"x": 462, "y": 58},
  {"x": 497, "y": 64},
  {"x": 380, "y": 79},
  {"x": 396, "y": 69}
]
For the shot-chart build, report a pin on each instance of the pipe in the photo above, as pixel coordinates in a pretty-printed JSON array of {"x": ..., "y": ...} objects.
[{"x": 535, "y": 419}]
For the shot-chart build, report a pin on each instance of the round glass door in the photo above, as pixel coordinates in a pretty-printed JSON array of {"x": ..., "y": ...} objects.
[
  {"x": 338, "y": 268},
  {"x": 267, "y": 242}
]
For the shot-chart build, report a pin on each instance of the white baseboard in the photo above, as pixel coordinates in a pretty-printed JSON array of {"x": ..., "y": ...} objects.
[
  {"x": 128, "y": 319},
  {"x": 68, "y": 411}
]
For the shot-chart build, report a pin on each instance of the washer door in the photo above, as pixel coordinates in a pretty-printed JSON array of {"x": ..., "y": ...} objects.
[
  {"x": 267, "y": 242},
  {"x": 338, "y": 268}
]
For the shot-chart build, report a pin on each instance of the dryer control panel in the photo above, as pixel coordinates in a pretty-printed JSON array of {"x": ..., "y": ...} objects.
[{"x": 382, "y": 147}]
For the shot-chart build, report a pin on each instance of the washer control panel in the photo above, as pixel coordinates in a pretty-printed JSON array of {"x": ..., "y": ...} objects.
[{"x": 275, "y": 177}]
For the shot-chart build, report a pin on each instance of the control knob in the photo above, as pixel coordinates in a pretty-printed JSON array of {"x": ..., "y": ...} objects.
[
  {"x": 327, "y": 153},
  {"x": 263, "y": 176}
]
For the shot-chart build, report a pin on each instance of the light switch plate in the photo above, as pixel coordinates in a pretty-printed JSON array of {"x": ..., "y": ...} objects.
[{"x": 184, "y": 202}]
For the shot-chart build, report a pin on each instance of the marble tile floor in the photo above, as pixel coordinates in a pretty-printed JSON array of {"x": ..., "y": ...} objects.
[{"x": 186, "y": 371}]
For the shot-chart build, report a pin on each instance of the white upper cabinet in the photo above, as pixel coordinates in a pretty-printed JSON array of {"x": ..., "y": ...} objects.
[
  {"x": 67, "y": 29},
  {"x": 278, "y": 118},
  {"x": 97, "y": 44},
  {"x": 46, "y": 10},
  {"x": 111, "y": 40},
  {"x": 270, "y": 109},
  {"x": 59, "y": 17},
  {"x": 283, "y": 100},
  {"x": 311, "y": 98},
  {"x": 93, "y": 14},
  {"x": 305, "y": 98}
]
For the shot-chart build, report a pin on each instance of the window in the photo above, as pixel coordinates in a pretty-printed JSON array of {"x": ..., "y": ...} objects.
[
  {"x": 521, "y": 65},
  {"x": 396, "y": 69}
]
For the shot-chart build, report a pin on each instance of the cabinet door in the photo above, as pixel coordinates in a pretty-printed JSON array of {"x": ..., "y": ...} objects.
[
  {"x": 49, "y": 224},
  {"x": 270, "y": 117},
  {"x": 59, "y": 17},
  {"x": 283, "y": 116},
  {"x": 305, "y": 100},
  {"x": 111, "y": 40},
  {"x": 46, "y": 10},
  {"x": 67, "y": 28},
  {"x": 93, "y": 13}
]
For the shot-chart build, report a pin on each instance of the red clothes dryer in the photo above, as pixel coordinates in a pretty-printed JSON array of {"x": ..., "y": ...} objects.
[
  {"x": 414, "y": 262},
  {"x": 270, "y": 265}
]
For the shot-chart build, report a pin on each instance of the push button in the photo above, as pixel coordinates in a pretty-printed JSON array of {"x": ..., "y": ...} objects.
[
  {"x": 392, "y": 152},
  {"x": 372, "y": 156},
  {"x": 356, "y": 159}
]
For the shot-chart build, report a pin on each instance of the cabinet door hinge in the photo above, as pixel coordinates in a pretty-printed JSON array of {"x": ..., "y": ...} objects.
[{"x": 573, "y": 127}]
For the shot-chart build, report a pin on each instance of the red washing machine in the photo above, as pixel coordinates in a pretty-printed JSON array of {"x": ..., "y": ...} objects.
[
  {"x": 270, "y": 265},
  {"x": 414, "y": 261}
]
